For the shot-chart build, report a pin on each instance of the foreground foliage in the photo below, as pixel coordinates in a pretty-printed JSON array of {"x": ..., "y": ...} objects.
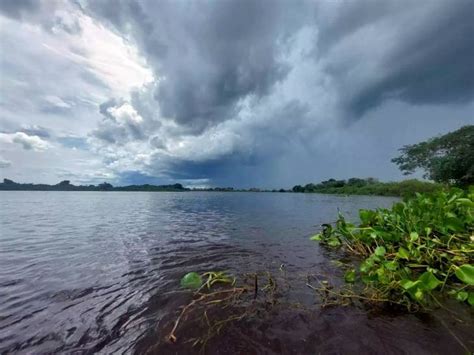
[{"x": 419, "y": 249}]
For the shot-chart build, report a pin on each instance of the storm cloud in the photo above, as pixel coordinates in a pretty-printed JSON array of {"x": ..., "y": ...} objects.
[
  {"x": 417, "y": 52},
  {"x": 243, "y": 93}
]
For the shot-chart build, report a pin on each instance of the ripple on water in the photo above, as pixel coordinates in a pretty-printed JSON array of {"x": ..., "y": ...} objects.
[{"x": 92, "y": 272}]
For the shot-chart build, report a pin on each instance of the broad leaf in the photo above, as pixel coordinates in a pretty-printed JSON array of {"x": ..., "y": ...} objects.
[
  {"x": 429, "y": 281},
  {"x": 191, "y": 280},
  {"x": 465, "y": 273}
]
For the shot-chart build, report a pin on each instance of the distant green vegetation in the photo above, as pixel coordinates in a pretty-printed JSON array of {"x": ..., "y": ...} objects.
[
  {"x": 370, "y": 186},
  {"x": 412, "y": 254},
  {"x": 65, "y": 185}
]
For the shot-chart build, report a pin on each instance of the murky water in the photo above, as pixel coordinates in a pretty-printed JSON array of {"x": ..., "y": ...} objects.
[{"x": 99, "y": 272}]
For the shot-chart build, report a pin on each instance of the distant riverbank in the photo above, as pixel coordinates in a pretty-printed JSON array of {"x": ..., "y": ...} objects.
[
  {"x": 353, "y": 186},
  {"x": 370, "y": 186}
]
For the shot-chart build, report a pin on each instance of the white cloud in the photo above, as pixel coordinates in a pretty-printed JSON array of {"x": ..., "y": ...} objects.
[
  {"x": 26, "y": 141},
  {"x": 125, "y": 115}
]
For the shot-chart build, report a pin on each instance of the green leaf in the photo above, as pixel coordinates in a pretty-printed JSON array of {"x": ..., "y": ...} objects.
[
  {"x": 380, "y": 251},
  {"x": 191, "y": 280},
  {"x": 470, "y": 298},
  {"x": 334, "y": 242},
  {"x": 391, "y": 265},
  {"x": 366, "y": 265},
  {"x": 465, "y": 273},
  {"x": 403, "y": 253},
  {"x": 465, "y": 202},
  {"x": 429, "y": 281},
  {"x": 369, "y": 278},
  {"x": 382, "y": 275},
  {"x": 454, "y": 224},
  {"x": 413, "y": 288},
  {"x": 419, "y": 294},
  {"x": 462, "y": 296},
  {"x": 408, "y": 284},
  {"x": 366, "y": 215},
  {"x": 318, "y": 236},
  {"x": 413, "y": 237},
  {"x": 350, "y": 276}
]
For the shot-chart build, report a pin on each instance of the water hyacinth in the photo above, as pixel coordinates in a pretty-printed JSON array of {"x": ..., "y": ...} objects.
[
  {"x": 417, "y": 249},
  {"x": 191, "y": 280}
]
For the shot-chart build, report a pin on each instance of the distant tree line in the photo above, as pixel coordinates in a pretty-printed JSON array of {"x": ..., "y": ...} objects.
[
  {"x": 369, "y": 186},
  {"x": 67, "y": 186}
]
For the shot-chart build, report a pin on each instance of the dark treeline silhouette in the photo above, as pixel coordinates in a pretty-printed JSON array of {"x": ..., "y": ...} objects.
[
  {"x": 369, "y": 186},
  {"x": 67, "y": 186},
  {"x": 353, "y": 186}
]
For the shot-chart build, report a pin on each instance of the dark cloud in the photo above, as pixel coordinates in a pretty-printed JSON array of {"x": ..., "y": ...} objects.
[
  {"x": 139, "y": 178},
  {"x": 208, "y": 55},
  {"x": 427, "y": 61},
  {"x": 245, "y": 93}
]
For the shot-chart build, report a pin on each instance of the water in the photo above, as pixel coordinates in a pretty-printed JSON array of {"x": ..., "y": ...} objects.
[{"x": 84, "y": 272}]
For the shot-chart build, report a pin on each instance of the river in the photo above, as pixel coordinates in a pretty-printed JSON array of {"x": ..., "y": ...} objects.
[{"x": 86, "y": 272}]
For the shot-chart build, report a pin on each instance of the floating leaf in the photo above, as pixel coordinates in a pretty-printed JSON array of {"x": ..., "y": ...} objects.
[
  {"x": 465, "y": 273},
  {"x": 191, "y": 280},
  {"x": 318, "y": 236}
]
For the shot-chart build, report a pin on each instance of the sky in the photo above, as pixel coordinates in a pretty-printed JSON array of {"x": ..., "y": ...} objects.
[{"x": 240, "y": 93}]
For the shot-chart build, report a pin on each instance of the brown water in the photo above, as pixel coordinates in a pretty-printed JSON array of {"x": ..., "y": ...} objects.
[{"x": 93, "y": 272}]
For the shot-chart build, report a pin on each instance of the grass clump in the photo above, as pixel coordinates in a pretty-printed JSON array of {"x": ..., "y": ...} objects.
[{"x": 420, "y": 248}]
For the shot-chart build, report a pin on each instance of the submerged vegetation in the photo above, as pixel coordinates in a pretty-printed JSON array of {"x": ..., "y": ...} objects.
[{"x": 413, "y": 253}]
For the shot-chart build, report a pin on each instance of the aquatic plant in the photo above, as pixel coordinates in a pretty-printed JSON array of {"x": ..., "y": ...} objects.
[
  {"x": 420, "y": 248},
  {"x": 218, "y": 302},
  {"x": 191, "y": 280}
]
